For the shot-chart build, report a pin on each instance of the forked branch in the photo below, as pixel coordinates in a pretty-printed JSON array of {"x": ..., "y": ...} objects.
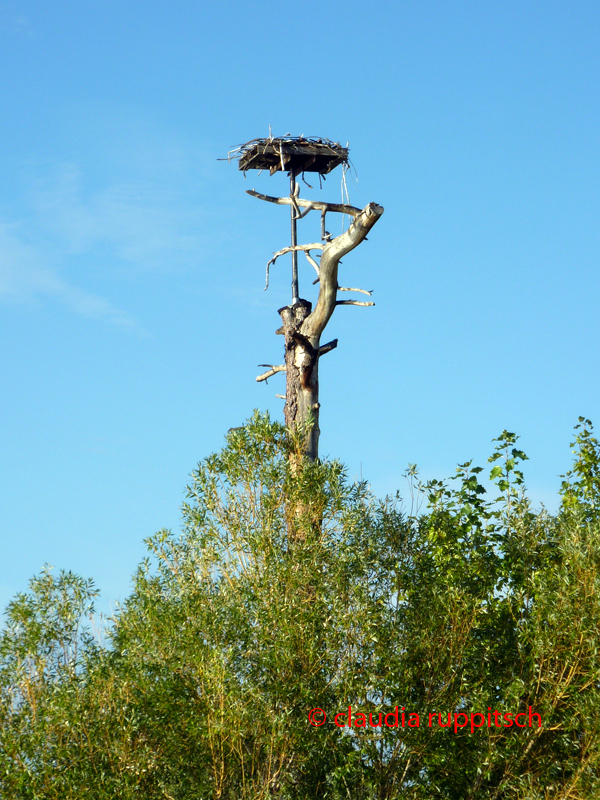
[{"x": 301, "y": 247}]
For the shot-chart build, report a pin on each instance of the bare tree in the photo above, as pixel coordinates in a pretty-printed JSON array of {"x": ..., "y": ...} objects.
[{"x": 302, "y": 326}]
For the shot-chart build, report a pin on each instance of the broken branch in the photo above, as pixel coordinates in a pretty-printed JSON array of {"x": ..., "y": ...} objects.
[
  {"x": 272, "y": 371},
  {"x": 352, "y": 303},
  {"x": 326, "y": 348},
  {"x": 362, "y": 291}
]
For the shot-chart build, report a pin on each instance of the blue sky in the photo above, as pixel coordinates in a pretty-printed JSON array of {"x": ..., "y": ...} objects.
[{"x": 132, "y": 262}]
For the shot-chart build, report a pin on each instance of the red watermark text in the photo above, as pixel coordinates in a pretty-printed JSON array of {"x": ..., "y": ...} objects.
[{"x": 401, "y": 718}]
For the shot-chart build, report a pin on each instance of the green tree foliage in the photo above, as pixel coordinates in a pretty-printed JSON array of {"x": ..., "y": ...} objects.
[{"x": 291, "y": 588}]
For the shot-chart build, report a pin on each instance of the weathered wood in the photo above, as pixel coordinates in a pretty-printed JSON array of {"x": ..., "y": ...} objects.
[
  {"x": 303, "y": 327},
  {"x": 307, "y": 405},
  {"x": 272, "y": 371},
  {"x": 333, "y": 251},
  {"x": 327, "y": 348},
  {"x": 352, "y": 303},
  {"x": 352, "y": 289},
  {"x": 300, "y": 361},
  {"x": 293, "y": 249},
  {"x": 341, "y": 208}
]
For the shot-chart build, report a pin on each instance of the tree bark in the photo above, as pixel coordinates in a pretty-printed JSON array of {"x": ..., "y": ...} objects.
[{"x": 301, "y": 408}]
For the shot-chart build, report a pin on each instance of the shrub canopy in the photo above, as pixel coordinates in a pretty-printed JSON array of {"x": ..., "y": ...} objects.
[{"x": 291, "y": 588}]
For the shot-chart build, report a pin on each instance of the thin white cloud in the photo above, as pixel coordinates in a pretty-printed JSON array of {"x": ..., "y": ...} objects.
[
  {"x": 144, "y": 223},
  {"x": 22, "y": 25},
  {"x": 15, "y": 25},
  {"x": 25, "y": 276},
  {"x": 130, "y": 200}
]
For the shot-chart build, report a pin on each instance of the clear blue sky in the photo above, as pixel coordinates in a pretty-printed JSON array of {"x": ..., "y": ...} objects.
[{"x": 132, "y": 262}]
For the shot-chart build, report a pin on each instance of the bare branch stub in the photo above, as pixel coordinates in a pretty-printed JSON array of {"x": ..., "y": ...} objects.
[
  {"x": 348, "y": 289},
  {"x": 332, "y": 253},
  {"x": 352, "y": 303},
  {"x": 312, "y": 261},
  {"x": 327, "y": 348},
  {"x": 273, "y": 370}
]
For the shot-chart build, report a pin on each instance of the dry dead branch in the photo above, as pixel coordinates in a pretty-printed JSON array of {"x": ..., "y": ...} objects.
[
  {"x": 340, "y": 208},
  {"x": 313, "y": 262},
  {"x": 327, "y": 348},
  {"x": 273, "y": 370},
  {"x": 291, "y": 249},
  {"x": 348, "y": 289}
]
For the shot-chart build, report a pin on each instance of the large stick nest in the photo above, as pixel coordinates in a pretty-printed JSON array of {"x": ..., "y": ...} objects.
[{"x": 293, "y": 154}]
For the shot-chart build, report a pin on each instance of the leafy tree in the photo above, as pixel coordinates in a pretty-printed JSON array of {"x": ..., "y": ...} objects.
[{"x": 291, "y": 588}]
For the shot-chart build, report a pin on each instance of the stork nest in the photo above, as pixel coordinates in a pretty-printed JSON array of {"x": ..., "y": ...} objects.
[{"x": 293, "y": 154}]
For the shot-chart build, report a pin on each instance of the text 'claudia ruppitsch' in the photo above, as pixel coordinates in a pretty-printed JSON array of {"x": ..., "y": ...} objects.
[{"x": 400, "y": 718}]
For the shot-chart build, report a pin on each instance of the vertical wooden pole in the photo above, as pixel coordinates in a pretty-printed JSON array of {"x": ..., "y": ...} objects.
[{"x": 295, "y": 295}]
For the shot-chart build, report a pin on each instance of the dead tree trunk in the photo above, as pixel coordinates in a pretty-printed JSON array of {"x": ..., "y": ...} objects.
[
  {"x": 301, "y": 379},
  {"x": 303, "y": 327}
]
